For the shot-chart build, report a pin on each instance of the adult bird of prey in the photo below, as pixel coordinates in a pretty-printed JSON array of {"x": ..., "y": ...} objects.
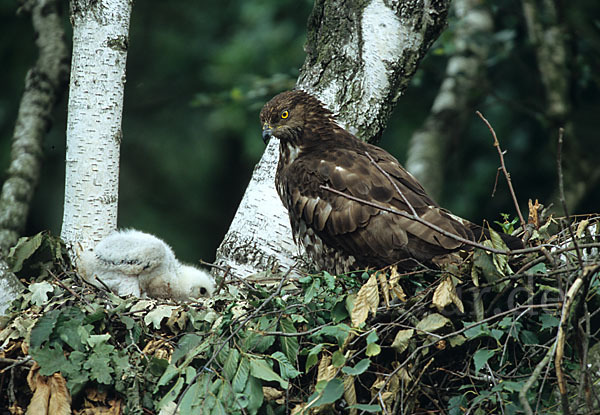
[{"x": 340, "y": 234}]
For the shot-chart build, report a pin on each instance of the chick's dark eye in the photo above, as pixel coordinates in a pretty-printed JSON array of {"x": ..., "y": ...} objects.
[
  {"x": 285, "y": 114},
  {"x": 202, "y": 290}
]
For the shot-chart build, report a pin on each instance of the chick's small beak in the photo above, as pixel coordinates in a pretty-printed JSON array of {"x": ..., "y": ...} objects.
[{"x": 267, "y": 132}]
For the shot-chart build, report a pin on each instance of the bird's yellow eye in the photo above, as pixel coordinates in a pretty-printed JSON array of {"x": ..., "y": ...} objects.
[{"x": 285, "y": 114}]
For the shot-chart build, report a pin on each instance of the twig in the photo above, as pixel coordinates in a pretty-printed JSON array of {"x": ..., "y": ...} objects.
[
  {"x": 503, "y": 166},
  {"x": 15, "y": 362},
  {"x": 534, "y": 376},
  {"x": 560, "y": 343},
  {"x": 561, "y": 189},
  {"x": 432, "y": 226}
]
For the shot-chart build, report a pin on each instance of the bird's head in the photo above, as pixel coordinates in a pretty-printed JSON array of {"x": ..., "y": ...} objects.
[
  {"x": 194, "y": 283},
  {"x": 286, "y": 115}
]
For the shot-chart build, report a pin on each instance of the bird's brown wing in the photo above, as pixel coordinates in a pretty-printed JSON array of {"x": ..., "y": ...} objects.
[{"x": 376, "y": 236}]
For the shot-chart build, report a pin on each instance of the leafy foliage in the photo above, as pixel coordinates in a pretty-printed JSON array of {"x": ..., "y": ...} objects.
[{"x": 354, "y": 343}]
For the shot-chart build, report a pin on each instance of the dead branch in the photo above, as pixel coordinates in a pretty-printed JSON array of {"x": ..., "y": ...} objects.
[
  {"x": 503, "y": 167},
  {"x": 560, "y": 343}
]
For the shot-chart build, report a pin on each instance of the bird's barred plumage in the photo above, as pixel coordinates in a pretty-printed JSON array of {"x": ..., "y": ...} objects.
[{"x": 340, "y": 234}]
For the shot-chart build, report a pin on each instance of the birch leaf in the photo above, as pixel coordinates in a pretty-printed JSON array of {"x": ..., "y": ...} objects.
[{"x": 366, "y": 300}]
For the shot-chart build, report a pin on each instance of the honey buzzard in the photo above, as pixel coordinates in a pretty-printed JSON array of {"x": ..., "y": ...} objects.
[{"x": 340, "y": 234}]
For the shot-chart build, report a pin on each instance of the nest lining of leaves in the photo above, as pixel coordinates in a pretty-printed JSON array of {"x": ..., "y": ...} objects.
[{"x": 464, "y": 339}]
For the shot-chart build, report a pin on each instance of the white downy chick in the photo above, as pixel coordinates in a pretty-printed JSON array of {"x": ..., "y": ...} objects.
[{"x": 130, "y": 262}]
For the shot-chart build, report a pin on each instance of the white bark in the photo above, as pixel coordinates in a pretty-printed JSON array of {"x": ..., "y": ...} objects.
[
  {"x": 100, "y": 38},
  {"x": 359, "y": 61}
]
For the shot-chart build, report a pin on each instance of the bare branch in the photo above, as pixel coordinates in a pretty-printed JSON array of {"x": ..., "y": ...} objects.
[{"x": 503, "y": 167}]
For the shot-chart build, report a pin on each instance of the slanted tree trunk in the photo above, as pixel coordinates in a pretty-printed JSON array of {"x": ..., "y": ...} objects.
[
  {"x": 44, "y": 84},
  {"x": 100, "y": 42},
  {"x": 459, "y": 93},
  {"x": 360, "y": 58}
]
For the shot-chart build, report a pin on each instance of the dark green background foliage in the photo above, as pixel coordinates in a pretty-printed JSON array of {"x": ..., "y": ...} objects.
[{"x": 198, "y": 73}]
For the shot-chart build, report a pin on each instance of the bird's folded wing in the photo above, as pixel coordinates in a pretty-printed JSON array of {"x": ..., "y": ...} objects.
[{"x": 359, "y": 227}]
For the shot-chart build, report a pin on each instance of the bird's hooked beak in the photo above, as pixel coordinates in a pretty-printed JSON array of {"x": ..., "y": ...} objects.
[{"x": 267, "y": 133}]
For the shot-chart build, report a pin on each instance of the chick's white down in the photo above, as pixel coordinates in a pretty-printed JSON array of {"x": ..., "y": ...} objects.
[{"x": 130, "y": 262}]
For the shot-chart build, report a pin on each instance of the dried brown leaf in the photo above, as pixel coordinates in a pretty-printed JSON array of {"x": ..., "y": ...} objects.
[
  {"x": 350, "y": 393},
  {"x": 385, "y": 288},
  {"x": 271, "y": 394},
  {"x": 366, "y": 300},
  {"x": 60, "y": 398},
  {"x": 326, "y": 370},
  {"x": 41, "y": 392},
  {"x": 445, "y": 294},
  {"x": 402, "y": 339},
  {"x": 394, "y": 284},
  {"x": 581, "y": 227}
]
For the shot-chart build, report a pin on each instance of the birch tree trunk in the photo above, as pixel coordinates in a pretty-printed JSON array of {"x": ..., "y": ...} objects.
[
  {"x": 360, "y": 58},
  {"x": 100, "y": 41},
  {"x": 44, "y": 84},
  {"x": 460, "y": 91}
]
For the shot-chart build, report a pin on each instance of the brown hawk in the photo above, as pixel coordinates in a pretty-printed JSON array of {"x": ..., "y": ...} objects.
[{"x": 340, "y": 234}]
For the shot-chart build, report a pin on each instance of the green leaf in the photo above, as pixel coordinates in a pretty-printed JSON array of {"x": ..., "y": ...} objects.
[
  {"x": 312, "y": 290},
  {"x": 339, "y": 331},
  {"x": 549, "y": 321},
  {"x": 231, "y": 363},
  {"x": 97, "y": 339},
  {"x": 39, "y": 292},
  {"x": 289, "y": 345},
  {"x": 373, "y": 349},
  {"x": 339, "y": 312},
  {"x": 367, "y": 408},
  {"x": 260, "y": 369},
  {"x": 432, "y": 322},
  {"x": 241, "y": 376},
  {"x": 43, "y": 328},
  {"x": 24, "y": 248},
  {"x": 359, "y": 369},
  {"x": 50, "y": 359},
  {"x": 313, "y": 357},
  {"x": 286, "y": 369},
  {"x": 99, "y": 367},
  {"x": 372, "y": 337},
  {"x": 158, "y": 314},
  {"x": 171, "y": 395},
  {"x": 481, "y": 357},
  {"x": 338, "y": 359},
  {"x": 476, "y": 331},
  {"x": 167, "y": 375},
  {"x": 254, "y": 393},
  {"x": 332, "y": 392},
  {"x": 191, "y": 398},
  {"x": 188, "y": 342},
  {"x": 329, "y": 280},
  {"x": 528, "y": 337},
  {"x": 457, "y": 340}
]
